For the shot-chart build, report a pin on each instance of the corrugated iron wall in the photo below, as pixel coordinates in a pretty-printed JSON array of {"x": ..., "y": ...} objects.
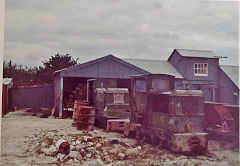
[{"x": 32, "y": 97}]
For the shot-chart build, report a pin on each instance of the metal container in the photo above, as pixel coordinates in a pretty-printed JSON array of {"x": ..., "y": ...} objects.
[
  {"x": 77, "y": 106},
  {"x": 85, "y": 118},
  {"x": 63, "y": 146},
  {"x": 222, "y": 124},
  {"x": 78, "y": 103}
]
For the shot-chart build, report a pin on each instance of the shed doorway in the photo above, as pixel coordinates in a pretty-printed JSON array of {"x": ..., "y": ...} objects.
[{"x": 74, "y": 88}]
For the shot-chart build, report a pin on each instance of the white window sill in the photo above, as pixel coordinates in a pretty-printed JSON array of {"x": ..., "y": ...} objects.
[{"x": 204, "y": 75}]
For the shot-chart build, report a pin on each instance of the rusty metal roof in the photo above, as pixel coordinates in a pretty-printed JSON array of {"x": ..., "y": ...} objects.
[
  {"x": 196, "y": 53},
  {"x": 155, "y": 66},
  {"x": 232, "y": 72}
]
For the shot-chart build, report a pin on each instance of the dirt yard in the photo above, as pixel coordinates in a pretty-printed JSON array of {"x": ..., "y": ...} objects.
[{"x": 29, "y": 140}]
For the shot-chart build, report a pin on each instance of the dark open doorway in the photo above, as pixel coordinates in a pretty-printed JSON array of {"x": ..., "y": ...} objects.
[{"x": 124, "y": 83}]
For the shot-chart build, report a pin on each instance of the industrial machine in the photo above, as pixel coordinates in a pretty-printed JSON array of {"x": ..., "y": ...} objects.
[
  {"x": 222, "y": 125},
  {"x": 162, "y": 115},
  {"x": 109, "y": 101}
]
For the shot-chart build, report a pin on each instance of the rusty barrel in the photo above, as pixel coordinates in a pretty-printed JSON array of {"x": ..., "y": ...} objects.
[
  {"x": 85, "y": 118},
  {"x": 77, "y": 106}
]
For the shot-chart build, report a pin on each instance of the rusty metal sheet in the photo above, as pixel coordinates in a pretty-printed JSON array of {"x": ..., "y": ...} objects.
[
  {"x": 222, "y": 123},
  {"x": 234, "y": 111},
  {"x": 223, "y": 112}
]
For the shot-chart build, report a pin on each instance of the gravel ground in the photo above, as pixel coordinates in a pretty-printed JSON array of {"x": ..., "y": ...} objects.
[{"x": 28, "y": 140}]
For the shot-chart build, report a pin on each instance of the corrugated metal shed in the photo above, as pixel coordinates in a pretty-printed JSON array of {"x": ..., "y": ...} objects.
[
  {"x": 232, "y": 72},
  {"x": 105, "y": 67},
  {"x": 155, "y": 66},
  {"x": 196, "y": 53}
]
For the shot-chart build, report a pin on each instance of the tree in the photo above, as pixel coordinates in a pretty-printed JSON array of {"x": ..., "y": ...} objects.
[
  {"x": 54, "y": 63},
  {"x": 22, "y": 76},
  {"x": 25, "y": 76}
]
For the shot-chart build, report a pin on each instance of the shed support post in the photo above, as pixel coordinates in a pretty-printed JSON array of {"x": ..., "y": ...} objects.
[
  {"x": 214, "y": 94},
  {"x": 61, "y": 98},
  {"x": 87, "y": 90}
]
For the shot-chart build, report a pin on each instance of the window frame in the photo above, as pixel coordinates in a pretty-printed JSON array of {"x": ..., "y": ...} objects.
[
  {"x": 200, "y": 67},
  {"x": 141, "y": 85}
]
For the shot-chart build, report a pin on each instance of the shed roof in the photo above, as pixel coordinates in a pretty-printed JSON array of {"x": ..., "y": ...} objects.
[
  {"x": 196, "y": 53},
  {"x": 141, "y": 65},
  {"x": 232, "y": 72},
  {"x": 7, "y": 81},
  {"x": 101, "y": 59},
  {"x": 155, "y": 66}
]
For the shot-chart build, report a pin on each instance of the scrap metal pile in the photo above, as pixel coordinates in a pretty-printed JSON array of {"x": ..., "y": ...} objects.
[{"x": 97, "y": 147}]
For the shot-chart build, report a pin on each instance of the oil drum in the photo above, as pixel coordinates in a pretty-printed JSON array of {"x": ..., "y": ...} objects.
[
  {"x": 85, "y": 118},
  {"x": 77, "y": 106}
]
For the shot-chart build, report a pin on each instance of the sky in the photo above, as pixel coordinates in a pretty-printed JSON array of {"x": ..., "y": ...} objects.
[{"x": 35, "y": 30}]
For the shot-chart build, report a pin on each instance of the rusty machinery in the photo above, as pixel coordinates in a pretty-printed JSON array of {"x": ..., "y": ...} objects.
[
  {"x": 110, "y": 102},
  {"x": 158, "y": 113},
  {"x": 162, "y": 115},
  {"x": 222, "y": 126}
]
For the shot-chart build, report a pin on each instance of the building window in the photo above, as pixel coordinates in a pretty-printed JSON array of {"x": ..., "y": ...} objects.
[
  {"x": 200, "y": 69},
  {"x": 141, "y": 86}
]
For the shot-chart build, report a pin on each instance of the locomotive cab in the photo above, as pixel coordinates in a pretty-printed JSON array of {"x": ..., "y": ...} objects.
[{"x": 175, "y": 117}]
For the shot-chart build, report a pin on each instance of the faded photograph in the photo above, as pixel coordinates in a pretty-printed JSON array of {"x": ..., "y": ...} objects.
[{"x": 120, "y": 83}]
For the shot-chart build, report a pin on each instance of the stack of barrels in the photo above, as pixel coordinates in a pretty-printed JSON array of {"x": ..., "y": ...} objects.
[{"x": 83, "y": 115}]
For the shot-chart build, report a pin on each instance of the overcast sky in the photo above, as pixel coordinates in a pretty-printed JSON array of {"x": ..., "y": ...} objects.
[{"x": 146, "y": 29}]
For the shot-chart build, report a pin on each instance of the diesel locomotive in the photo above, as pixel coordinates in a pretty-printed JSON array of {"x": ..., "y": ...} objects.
[
  {"x": 158, "y": 113},
  {"x": 164, "y": 116}
]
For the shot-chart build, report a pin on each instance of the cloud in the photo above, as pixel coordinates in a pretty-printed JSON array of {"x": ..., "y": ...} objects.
[{"x": 35, "y": 30}]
